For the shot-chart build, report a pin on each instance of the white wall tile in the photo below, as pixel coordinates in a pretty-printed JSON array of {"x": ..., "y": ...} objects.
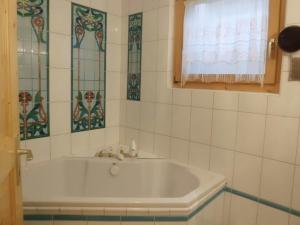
[
  {"x": 147, "y": 116},
  {"x": 112, "y": 113},
  {"x": 181, "y": 122},
  {"x": 247, "y": 173},
  {"x": 148, "y": 91},
  {"x": 131, "y": 135},
  {"x": 163, "y": 119},
  {"x": 202, "y": 98},
  {"x": 150, "y": 4},
  {"x": 82, "y": 2},
  {"x": 60, "y": 146},
  {"x": 164, "y": 94},
  {"x": 133, "y": 114},
  {"x": 38, "y": 222},
  {"x": 149, "y": 60},
  {"x": 182, "y": 97},
  {"x": 60, "y": 51},
  {"x": 224, "y": 129},
  {"x": 268, "y": 215},
  {"x": 99, "y": 4},
  {"x": 146, "y": 142},
  {"x": 199, "y": 155},
  {"x": 60, "y": 118},
  {"x": 80, "y": 143},
  {"x": 286, "y": 104},
  {"x": 60, "y": 14},
  {"x": 114, "y": 29},
  {"x": 40, "y": 149},
  {"x": 226, "y": 100},
  {"x": 113, "y": 84},
  {"x": 243, "y": 211},
  {"x": 112, "y": 135},
  {"x": 96, "y": 140},
  {"x": 255, "y": 103},
  {"x": 114, "y": 7},
  {"x": 69, "y": 222},
  {"x": 137, "y": 223},
  {"x": 150, "y": 25},
  {"x": 277, "y": 182},
  {"x": 180, "y": 150},
  {"x": 164, "y": 23},
  {"x": 281, "y": 138},
  {"x": 201, "y": 125},
  {"x": 103, "y": 223},
  {"x": 251, "y": 133},
  {"x": 163, "y": 55},
  {"x": 298, "y": 152},
  {"x": 294, "y": 220},
  {"x": 113, "y": 62},
  {"x": 162, "y": 145},
  {"x": 296, "y": 190},
  {"x": 222, "y": 161},
  {"x": 60, "y": 84},
  {"x": 292, "y": 15},
  {"x": 135, "y": 6}
]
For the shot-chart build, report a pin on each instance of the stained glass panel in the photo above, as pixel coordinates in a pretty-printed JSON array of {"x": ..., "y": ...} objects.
[
  {"x": 135, "y": 23},
  {"x": 88, "y": 68},
  {"x": 33, "y": 60}
]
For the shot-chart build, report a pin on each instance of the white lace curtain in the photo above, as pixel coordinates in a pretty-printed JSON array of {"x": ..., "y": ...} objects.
[{"x": 225, "y": 37}]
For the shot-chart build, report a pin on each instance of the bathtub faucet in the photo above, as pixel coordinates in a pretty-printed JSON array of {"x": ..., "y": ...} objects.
[
  {"x": 105, "y": 153},
  {"x": 109, "y": 153}
]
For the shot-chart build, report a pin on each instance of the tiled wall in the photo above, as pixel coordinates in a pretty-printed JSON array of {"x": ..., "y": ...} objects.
[
  {"x": 62, "y": 142},
  {"x": 253, "y": 139}
]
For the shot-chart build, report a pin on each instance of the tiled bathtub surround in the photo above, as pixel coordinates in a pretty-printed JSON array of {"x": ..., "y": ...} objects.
[
  {"x": 62, "y": 142},
  {"x": 251, "y": 138}
]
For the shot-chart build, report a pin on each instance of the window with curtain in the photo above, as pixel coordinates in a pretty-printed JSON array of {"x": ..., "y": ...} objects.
[{"x": 227, "y": 42}]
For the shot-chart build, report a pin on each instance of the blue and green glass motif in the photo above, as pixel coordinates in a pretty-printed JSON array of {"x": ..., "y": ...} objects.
[
  {"x": 135, "y": 24},
  {"x": 88, "y": 68},
  {"x": 33, "y": 62}
]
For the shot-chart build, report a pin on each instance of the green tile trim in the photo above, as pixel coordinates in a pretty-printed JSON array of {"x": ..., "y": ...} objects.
[
  {"x": 163, "y": 218},
  {"x": 263, "y": 201}
]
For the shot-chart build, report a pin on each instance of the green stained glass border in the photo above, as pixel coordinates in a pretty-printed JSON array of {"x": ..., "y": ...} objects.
[
  {"x": 135, "y": 36},
  {"x": 90, "y": 101},
  {"x": 34, "y": 108}
]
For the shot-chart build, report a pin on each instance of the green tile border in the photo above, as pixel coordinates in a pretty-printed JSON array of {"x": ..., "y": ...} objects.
[
  {"x": 263, "y": 201},
  {"x": 163, "y": 218}
]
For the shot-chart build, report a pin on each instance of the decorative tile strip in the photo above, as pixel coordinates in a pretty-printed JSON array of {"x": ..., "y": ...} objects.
[
  {"x": 88, "y": 68},
  {"x": 33, "y": 48},
  {"x": 164, "y": 218},
  {"x": 135, "y": 24},
  {"x": 263, "y": 201}
]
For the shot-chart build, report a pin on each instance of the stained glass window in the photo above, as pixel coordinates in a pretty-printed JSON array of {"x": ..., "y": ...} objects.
[
  {"x": 134, "y": 56},
  {"x": 33, "y": 62},
  {"x": 88, "y": 68}
]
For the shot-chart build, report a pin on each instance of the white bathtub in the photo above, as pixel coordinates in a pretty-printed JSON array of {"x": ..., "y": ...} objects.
[{"x": 142, "y": 186}]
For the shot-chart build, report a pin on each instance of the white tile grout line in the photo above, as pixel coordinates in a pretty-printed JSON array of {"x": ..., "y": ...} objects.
[{"x": 262, "y": 160}]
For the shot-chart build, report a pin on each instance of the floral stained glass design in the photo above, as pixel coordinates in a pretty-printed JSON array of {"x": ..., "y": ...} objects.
[
  {"x": 88, "y": 68},
  {"x": 134, "y": 56},
  {"x": 33, "y": 65}
]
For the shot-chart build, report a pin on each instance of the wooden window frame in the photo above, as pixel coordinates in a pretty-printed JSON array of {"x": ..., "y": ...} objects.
[{"x": 273, "y": 66}]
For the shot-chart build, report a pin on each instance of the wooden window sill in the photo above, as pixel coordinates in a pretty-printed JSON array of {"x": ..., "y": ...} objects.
[{"x": 267, "y": 88}]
